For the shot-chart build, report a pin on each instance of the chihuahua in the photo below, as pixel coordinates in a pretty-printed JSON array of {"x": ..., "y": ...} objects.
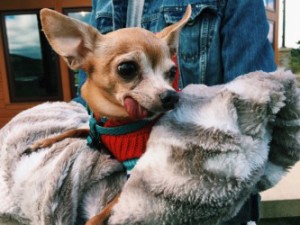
[
  {"x": 130, "y": 71},
  {"x": 130, "y": 74}
]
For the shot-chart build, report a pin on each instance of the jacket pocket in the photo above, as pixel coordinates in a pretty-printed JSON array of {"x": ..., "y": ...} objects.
[
  {"x": 104, "y": 16},
  {"x": 196, "y": 36},
  {"x": 196, "y": 39}
]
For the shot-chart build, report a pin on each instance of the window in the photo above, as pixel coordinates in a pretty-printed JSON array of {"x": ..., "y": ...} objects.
[
  {"x": 32, "y": 66},
  {"x": 272, "y": 15},
  {"x": 270, "y": 4},
  {"x": 82, "y": 14},
  {"x": 271, "y": 32}
]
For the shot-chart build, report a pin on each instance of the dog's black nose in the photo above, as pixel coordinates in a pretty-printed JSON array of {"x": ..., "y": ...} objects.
[{"x": 168, "y": 99}]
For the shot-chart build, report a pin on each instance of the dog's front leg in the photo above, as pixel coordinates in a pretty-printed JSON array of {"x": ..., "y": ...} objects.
[
  {"x": 48, "y": 142},
  {"x": 102, "y": 217}
]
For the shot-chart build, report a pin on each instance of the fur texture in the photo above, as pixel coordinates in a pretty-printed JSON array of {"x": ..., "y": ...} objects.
[
  {"x": 203, "y": 159},
  {"x": 58, "y": 185}
]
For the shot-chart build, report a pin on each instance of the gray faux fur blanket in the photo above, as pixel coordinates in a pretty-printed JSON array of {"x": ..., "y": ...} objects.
[
  {"x": 66, "y": 183},
  {"x": 203, "y": 159}
]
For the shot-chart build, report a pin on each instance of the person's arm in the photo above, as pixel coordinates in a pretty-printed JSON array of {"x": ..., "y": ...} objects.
[{"x": 244, "y": 31}]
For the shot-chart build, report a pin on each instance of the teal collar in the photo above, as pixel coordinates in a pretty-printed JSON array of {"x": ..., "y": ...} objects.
[
  {"x": 97, "y": 129},
  {"x": 129, "y": 165},
  {"x": 119, "y": 130}
]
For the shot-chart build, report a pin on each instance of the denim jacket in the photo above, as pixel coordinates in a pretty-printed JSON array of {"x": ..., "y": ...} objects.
[{"x": 223, "y": 39}]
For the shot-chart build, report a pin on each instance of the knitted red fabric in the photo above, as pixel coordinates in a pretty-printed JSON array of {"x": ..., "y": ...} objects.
[
  {"x": 127, "y": 146},
  {"x": 176, "y": 80},
  {"x": 132, "y": 145}
]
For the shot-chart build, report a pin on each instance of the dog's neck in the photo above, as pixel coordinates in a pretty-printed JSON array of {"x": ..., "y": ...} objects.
[{"x": 125, "y": 140}]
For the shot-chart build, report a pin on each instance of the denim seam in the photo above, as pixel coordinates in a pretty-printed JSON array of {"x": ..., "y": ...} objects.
[
  {"x": 203, "y": 48},
  {"x": 104, "y": 14}
]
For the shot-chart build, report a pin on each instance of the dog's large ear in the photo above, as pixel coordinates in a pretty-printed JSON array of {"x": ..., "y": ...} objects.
[
  {"x": 171, "y": 33},
  {"x": 70, "y": 38}
]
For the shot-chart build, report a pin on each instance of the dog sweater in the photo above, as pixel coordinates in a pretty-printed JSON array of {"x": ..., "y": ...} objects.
[{"x": 130, "y": 145}]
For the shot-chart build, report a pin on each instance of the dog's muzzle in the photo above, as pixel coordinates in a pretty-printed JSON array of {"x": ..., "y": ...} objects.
[{"x": 169, "y": 99}]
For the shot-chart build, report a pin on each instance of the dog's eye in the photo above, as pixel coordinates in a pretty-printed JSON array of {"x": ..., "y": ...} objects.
[
  {"x": 127, "y": 70},
  {"x": 172, "y": 72}
]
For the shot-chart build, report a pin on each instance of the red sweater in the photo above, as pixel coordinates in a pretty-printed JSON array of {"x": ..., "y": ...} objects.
[{"x": 127, "y": 146}]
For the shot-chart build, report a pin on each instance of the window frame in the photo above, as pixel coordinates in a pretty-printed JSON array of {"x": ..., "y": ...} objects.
[{"x": 10, "y": 77}]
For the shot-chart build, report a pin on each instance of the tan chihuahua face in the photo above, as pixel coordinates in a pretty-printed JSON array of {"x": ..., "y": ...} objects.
[{"x": 130, "y": 71}]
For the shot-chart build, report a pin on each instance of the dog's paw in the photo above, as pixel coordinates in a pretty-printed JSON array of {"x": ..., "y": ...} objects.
[
  {"x": 38, "y": 145},
  {"x": 28, "y": 151}
]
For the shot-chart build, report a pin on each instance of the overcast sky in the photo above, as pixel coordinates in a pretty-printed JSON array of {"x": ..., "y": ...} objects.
[
  {"x": 292, "y": 26},
  {"x": 23, "y": 36}
]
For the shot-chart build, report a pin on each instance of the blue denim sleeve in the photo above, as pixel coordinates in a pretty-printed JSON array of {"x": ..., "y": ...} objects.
[{"x": 244, "y": 31}]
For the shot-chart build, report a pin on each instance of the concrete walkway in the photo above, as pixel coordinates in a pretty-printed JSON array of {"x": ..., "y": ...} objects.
[
  {"x": 288, "y": 188},
  {"x": 284, "y": 199}
]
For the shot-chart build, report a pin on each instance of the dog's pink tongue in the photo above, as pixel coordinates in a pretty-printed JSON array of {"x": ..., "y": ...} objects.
[{"x": 134, "y": 109}]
